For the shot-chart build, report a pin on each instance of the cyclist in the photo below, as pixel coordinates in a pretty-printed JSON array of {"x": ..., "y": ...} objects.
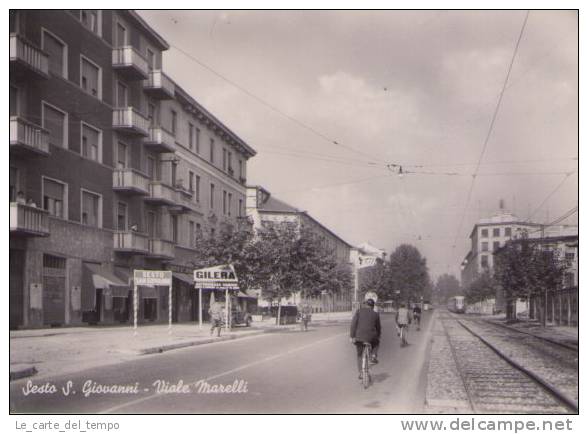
[
  {"x": 304, "y": 314},
  {"x": 416, "y": 314},
  {"x": 366, "y": 327},
  {"x": 403, "y": 319}
]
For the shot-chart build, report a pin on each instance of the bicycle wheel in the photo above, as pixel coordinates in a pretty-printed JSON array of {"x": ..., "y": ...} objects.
[{"x": 365, "y": 367}]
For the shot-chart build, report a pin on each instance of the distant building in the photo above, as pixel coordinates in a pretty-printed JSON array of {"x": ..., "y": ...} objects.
[
  {"x": 262, "y": 207},
  {"x": 487, "y": 236}
]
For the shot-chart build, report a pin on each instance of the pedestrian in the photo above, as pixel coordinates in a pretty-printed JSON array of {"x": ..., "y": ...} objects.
[
  {"x": 216, "y": 317},
  {"x": 31, "y": 202}
]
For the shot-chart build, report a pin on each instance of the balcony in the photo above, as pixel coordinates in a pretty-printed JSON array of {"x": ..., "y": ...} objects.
[
  {"x": 130, "y": 182},
  {"x": 128, "y": 120},
  {"x": 160, "y": 140},
  {"x": 28, "y": 138},
  {"x": 161, "y": 249},
  {"x": 161, "y": 194},
  {"x": 131, "y": 242},
  {"x": 28, "y": 220},
  {"x": 27, "y": 59},
  {"x": 128, "y": 62},
  {"x": 183, "y": 200},
  {"x": 159, "y": 85}
]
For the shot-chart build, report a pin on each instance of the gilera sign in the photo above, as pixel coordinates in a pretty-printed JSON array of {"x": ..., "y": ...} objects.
[
  {"x": 151, "y": 278},
  {"x": 219, "y": 277}
]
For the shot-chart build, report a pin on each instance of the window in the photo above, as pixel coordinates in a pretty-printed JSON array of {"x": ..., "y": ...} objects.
[
  {"x": 152, "y": 114},
  {"x": 151, "y": 168},
  {"x": 198, "y": 140},
  {"x": 198, "y": 230},
  {"x": 91, "y": 209},
  {"x": 224, "y": 202},
  {"x": 13, "y": 179},
  {"x": 174, "y": 228},
  {"x": 507, "y": 232},
  {"x": 13, "y": 101},
  {"x": 91, "y": 78},
  {"x": 197, "y": 188},
  {"x": 230, "y": 201},
  {"x": 224, "y": 159},
  {"x": 241, "y": 169},
  {"x": 55, "y": 121},
  {"x": 122, "y": 95},
  {"x": 191, "y": 181},
  {"x": 190, "y": 136},
  {"x": 211, "y": 196},
  {"x": 150, "y": 59},
  {"x": 484, "y": 233},
  {"x": 495, "y": 245},
  {"x": 121, "y": 217},
  {"x": 230, "y": 162},
  {"x": 240, "y": 210},
  {"x": 151, "y": 224},
  {"x": 91, "y": 143},
  {"x": 91, "y": 20},
  {"x": 212, "y": 151},
  {"x": 484, "y": 246},
  {"x": 570, "y": 256},
  {"x": 192, "y": 234},
  {"x": 57, "y": 51},
  {"x": 484, "y": 261},
  {"x": 174, "y": 174},
  {"x": 54, "y": 197},
  {"x": 174, "y": 122},
  {"x": 120, "y": 39},
  {"x": 121, "y": 153},
  {"x": 496, "y": 232}
]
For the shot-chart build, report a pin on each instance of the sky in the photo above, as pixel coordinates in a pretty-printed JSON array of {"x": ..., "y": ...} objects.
[{"x": 335, "y": 102}]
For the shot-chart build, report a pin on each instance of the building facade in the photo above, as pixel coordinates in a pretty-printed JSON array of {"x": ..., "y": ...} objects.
[
  {"x": 262, "y": 207},
  {"x": 487, "y": 236},
  {"x": 113, "y": 167}
]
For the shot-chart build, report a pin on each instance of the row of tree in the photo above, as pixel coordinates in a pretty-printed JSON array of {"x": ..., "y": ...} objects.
[
  {"x": 403, "y": 277},
  {"x": 282, "y": 259},
  {"x": 523, "y": 269}
]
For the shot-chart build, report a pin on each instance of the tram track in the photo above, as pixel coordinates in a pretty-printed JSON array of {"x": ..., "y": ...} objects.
[{"x": 494, "y": 382}]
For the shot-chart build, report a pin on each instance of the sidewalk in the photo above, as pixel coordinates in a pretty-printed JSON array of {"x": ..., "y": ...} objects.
[
  {"x": 56, "y": 351},
  {"x": 560, "y": 334}
]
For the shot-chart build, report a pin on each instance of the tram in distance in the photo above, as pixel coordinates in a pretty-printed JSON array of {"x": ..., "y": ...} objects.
[{"x": 456, "y": 304}]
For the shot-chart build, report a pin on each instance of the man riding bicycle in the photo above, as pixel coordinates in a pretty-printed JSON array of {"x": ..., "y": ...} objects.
[
  {"x": 366, "y": 327},
  {"x": 403, "y": 319},
  {"x": 416, "y": 314}
]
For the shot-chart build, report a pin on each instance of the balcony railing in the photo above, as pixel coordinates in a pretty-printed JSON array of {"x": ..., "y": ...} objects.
[
  {"x": 160, "y": 140},
  {"x": 159, "y": 85},
  {"x": 130, "y": 121},
  {"x": 130, "y": 181},
  {"x": 27, "y": 136},
  {"x": 28, "y": 56},
  {"x": 162, "y": 194},
  {"x": 131, "y": 242},
  {"x": 160, "y": 248},
  {"x": 28, "y": 220},
  {"x": 129, "y": 62}
]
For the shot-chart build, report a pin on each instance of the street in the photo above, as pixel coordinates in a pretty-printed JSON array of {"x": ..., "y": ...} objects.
[{"x": 281, "y": 372}]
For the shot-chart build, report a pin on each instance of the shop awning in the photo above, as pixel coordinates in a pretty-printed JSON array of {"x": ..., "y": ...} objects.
[
  {"x": 183, "y": 277},
  {"x": 246, "y": 294},
  {"x": 148, "y": 292},
  {"x": 95, "y": 277}
]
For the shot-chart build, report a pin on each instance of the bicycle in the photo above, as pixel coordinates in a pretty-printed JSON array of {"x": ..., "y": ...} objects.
[
  {"x": 403, "y": 330},
  {"x": 366, "y": 358}
]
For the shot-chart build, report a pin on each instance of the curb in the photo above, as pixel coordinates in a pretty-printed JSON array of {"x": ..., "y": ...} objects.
[{"x": 29, "y": 371}]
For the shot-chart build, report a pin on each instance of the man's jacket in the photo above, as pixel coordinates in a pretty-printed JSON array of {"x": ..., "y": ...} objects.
[{"x": 365, "y": 326}]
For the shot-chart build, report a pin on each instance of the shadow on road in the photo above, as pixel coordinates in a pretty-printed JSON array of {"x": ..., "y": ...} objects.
[{"x": 378, "y": 378}]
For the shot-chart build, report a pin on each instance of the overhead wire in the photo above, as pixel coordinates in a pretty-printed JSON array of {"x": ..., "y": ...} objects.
[{"x": 491, "y": 127}]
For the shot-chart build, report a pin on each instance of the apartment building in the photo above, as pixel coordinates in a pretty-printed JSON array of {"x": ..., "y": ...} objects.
[
  {"x": 262, "y": 207},
  {"x": 113, "y": 167}
]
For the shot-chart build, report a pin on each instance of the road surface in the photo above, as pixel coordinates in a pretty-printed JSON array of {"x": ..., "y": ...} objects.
[{"x": 281, "y": 372}]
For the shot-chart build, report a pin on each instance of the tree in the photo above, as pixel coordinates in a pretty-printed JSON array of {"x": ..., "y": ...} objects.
[
  {"x": 481, "y": 288},
  {"x": 447, "y": 286},
  {"x": 525, "y": 268},
  {"x": 406, "y": 276}
]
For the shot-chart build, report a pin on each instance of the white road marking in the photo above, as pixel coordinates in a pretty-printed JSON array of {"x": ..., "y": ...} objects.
[{"x": 222, "y": 374}]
